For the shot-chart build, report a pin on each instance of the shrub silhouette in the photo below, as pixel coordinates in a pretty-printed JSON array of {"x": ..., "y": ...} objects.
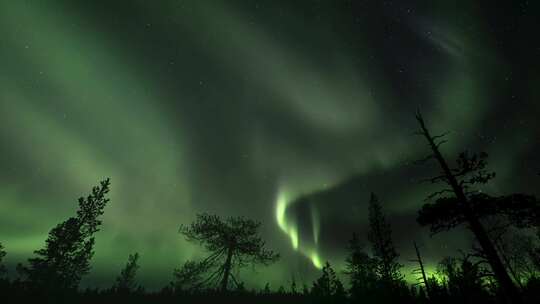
[{"x": 3, "y": 269}]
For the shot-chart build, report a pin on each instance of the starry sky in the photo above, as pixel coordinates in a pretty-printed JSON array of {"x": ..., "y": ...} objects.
[{"x": 287, "y": 112}]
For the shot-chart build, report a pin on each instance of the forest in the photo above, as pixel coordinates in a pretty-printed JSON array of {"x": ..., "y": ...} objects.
[{"x": 502, "y": 266}]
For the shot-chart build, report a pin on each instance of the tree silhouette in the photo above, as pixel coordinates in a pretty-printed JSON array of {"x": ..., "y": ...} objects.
[
  {"x": 464, "y": 279},
  {"x": 125, "y": 282},
  {"x": 266, "y": 290},
  {"x": 3, "y": 269},
  {"x": 233, "y": 243},
  {"x": 361, "y": 270},
  {"x": 191, "y": 276},
  {"x": 328, "y": 285},
  {"x": 380, "y": 237},
  {"x": 461, "y": 205},
  {"x": 514, "y": 247},
  {"x": 293, "y": 289},
  {"x": 421, "y": 270},
  {"x": 305, "y": 289},
  {"x": 69, "y": 247},
  {"x": 533, "y": 251},
  {"x": 447, "y": 212}
]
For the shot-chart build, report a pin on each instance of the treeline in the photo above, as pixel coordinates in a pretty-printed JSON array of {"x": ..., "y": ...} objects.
[{"x": 502, "y": 266}]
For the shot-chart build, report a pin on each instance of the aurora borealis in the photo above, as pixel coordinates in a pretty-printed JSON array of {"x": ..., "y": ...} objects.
[{"x": 287, "y": 112}]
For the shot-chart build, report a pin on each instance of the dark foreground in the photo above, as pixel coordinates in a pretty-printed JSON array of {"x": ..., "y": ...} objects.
[{"x": 530, "y": 294}]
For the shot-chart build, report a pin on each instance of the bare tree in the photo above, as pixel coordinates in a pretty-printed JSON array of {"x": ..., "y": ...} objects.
[
  {"x": 458, "y": 208},
  {"x": 421, "y": 270}
]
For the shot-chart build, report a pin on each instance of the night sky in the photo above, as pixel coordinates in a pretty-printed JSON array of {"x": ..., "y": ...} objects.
[{"x": 287, "y": 112}]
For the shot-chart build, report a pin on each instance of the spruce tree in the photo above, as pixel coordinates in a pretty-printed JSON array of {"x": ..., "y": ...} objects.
[
  {"x": 361, "y": 269},
  {"x": 125, "y": 282},
  {"x": 65, "y": 259},
  {"x": 328, "y": 285},
  {"x": 384, "y": 252}
]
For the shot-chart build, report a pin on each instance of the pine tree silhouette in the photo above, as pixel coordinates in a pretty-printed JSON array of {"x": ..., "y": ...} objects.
[
  {"x": 233, "y": 243},
  {"x": 384, "y": 252},
  {"x": 328, "y": 285},
  {"x": 126, "y": 282},
  {"x": 69, "y": 247},
  {"x": 361, "y": 270}
]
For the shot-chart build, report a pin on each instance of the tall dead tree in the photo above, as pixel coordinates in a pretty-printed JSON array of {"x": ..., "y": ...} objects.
[
  {"x": 421, "y": 270},
  {"x": 458, "y": 189}
]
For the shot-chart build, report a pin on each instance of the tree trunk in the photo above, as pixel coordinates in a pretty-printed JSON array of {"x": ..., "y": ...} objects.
[
  {"x": 507, "y": 262},
  {"x": 428, "y": 291},
  {"x": 226, "y": 270},
  {"x": 509, "y": 289}
]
